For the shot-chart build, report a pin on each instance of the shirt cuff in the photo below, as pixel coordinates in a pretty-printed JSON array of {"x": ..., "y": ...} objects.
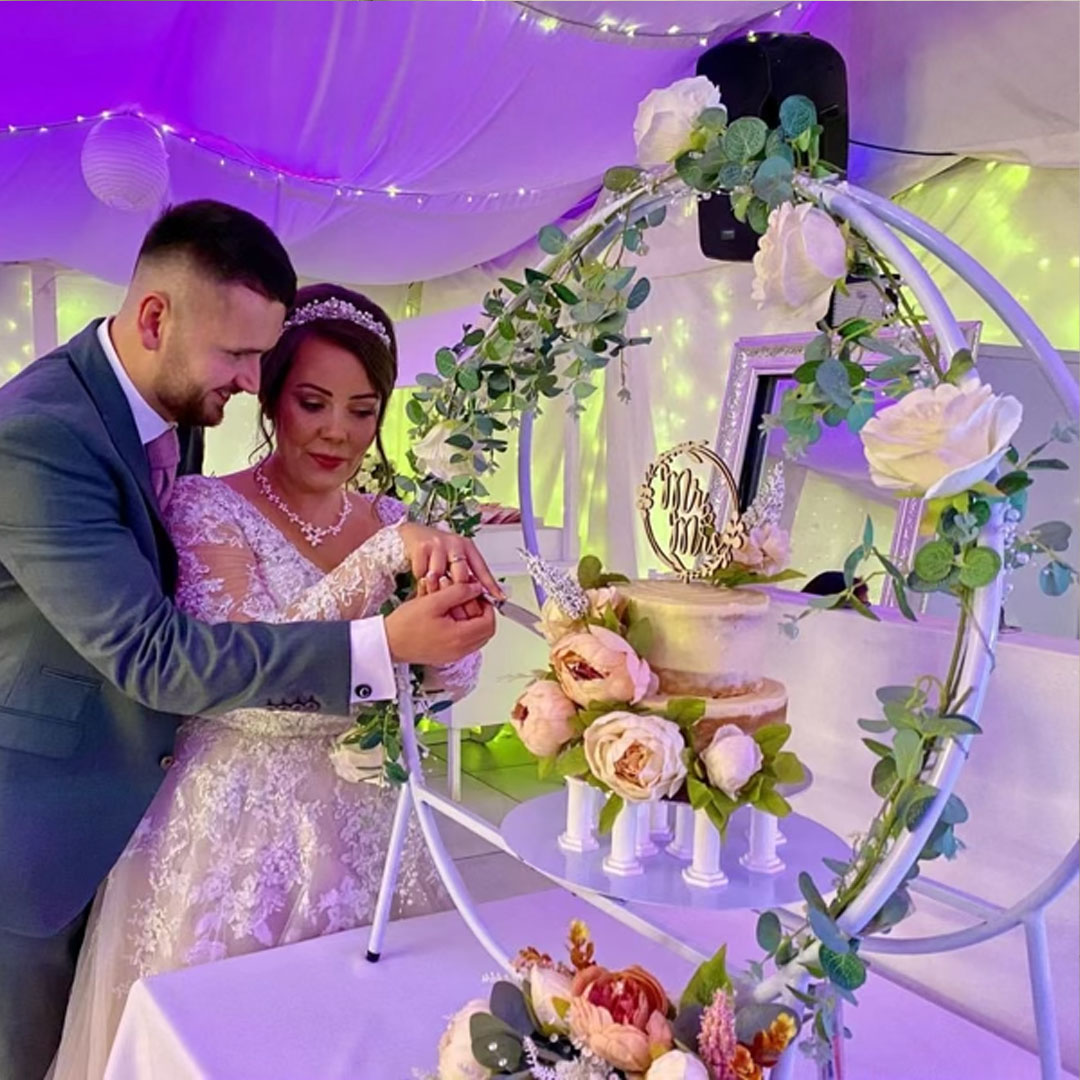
[{"x": 371, "y": 669}]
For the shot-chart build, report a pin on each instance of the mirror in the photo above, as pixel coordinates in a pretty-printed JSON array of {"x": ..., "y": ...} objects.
[{"x": 828, "y": 491}]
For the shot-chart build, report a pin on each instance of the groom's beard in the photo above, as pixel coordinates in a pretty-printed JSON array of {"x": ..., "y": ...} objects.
[
  {"x": 185, "y": 400},
  {"x": 199, "y": 408},
  {"x": 190, "y": 405}
]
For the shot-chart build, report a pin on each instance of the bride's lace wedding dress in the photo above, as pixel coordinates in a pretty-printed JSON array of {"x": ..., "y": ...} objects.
[{"x": 253, "y": 839}]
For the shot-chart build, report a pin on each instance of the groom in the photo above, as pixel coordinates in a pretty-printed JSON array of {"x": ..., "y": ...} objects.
[{"x": 96, "y": 664}]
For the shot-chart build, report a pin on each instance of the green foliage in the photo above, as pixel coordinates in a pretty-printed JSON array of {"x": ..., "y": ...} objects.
[
  {"x": 493, "y": 1042},
  {"x": 570, "y": 761},
  {"x": 934, "y": 561},
  {"x": 810, "y": 892},
  {"x": 639, "y": 636},
  {"x": 710, "y": 977},
  {"x": 508, "y": 1004},
  {"x": 844, "y": 969},
  {"x": 685, "y": 711},
  {"x": 769, "y": 933},
  {"x": 745, "y": 138},
  {"x": 797, "y": 116},
  {"x": 621, "y": 178}
]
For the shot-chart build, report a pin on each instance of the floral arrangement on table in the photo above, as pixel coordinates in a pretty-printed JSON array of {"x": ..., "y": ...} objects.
[
  {"x": 930, "y": 430},
  {"x": 588, "y": 715},
  {"x": 582, "y": 1021}
]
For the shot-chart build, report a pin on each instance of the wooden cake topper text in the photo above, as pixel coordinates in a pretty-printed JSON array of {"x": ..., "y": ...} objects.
[{"x": 703, "y": 521}]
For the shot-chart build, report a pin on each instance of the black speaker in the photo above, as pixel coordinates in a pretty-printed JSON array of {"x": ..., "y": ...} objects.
[{"x": 754, "y": 75}]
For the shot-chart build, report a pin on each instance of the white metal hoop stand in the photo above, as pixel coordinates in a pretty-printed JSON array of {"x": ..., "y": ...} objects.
[{"x": 876, "y": 219}]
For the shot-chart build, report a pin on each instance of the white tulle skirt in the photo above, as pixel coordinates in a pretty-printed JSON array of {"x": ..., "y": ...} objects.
[{"x": 253, "y": 841}]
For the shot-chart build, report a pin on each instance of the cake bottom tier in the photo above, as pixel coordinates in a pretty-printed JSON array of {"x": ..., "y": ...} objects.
[{"x": 767, "y": 704}]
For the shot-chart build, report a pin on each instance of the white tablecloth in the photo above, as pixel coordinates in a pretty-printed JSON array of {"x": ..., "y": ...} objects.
[{"x": 319, "y": 1011}]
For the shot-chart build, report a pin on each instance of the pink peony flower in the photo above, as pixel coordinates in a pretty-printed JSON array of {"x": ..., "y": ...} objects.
[
  {"x": 598, "y": 665},
  {"x": 543, "y": 718},
  {"x": 620, "y": 1015}
]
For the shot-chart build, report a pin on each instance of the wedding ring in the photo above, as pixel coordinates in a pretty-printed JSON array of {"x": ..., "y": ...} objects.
[{"x": 456, "y": 557}]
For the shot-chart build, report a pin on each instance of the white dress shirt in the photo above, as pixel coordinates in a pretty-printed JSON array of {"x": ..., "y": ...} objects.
[{"x": 371, "y": 670}]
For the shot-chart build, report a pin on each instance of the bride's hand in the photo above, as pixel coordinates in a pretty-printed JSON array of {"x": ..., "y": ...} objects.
[{"x": 438, "y": 557}]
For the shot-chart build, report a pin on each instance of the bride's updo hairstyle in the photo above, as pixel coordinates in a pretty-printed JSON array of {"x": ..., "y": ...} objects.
[{"x": 344, "y": 318}]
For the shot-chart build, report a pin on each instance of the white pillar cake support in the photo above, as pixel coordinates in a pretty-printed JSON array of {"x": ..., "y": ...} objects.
[
  {"x": 660, "y": 825},
  {"x": 622, "y": 860},
  {"x": 761, "y": 857},
  {"x": 580, "y": 834},
  {"x": 682, "y": 847},
  {"x": 704, "y": 872},
  {"x": 645, "y": 846}
]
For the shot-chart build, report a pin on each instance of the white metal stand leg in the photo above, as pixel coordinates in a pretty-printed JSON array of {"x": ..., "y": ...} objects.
[
  {"x": 453, "y": 762},
  {"x": 1042, "y": 996},
  {"x": 398, "y": 830}
]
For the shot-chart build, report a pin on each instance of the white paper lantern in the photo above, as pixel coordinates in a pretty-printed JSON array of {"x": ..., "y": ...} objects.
[{"x": 124, "y": 163}]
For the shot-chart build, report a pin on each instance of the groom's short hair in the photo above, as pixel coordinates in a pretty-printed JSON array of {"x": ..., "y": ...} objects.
[{"x": 227, "y": 244}]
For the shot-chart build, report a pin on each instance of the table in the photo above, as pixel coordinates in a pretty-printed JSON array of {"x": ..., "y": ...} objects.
[{"x": 318, "y": 1011}]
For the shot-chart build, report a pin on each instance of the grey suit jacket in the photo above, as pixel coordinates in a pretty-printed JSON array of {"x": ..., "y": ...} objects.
[{"x": 96, "y": 664}]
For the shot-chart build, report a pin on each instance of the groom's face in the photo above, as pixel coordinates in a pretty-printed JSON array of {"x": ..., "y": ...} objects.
[{"x": 211, "y": 347}]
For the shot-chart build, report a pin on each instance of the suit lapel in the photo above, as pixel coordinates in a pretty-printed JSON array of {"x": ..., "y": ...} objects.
[{"x": 93, "y": 369}]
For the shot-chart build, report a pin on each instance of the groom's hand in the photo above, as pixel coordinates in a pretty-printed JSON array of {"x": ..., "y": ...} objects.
[{"x": 425, "y": 631}]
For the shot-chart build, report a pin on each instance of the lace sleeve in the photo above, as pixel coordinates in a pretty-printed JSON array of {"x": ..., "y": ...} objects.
[
  {"x": 454, "y": 680},
  {"x": 358, "y": 586},
  {"x": 221, "y": 579}
]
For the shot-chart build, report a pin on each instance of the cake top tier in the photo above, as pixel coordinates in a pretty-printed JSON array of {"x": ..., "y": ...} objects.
[{"x": 696, "y": 596}]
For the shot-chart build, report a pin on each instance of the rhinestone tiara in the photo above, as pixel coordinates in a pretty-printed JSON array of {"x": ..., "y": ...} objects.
[{"x": 336, "y": 308}]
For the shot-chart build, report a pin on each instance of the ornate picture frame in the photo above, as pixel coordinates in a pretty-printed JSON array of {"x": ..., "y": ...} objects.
[{"x": 759, "y": 367}]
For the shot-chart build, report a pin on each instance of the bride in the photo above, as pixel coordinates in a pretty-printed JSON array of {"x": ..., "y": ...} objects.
[{"x": 256, "y": 838}]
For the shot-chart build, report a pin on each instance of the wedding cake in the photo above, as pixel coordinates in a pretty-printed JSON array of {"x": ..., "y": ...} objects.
[{"x": 710, "y": 643}]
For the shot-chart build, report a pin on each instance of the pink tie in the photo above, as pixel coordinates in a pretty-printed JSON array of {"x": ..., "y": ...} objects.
[{"x": 163, "y": 454}]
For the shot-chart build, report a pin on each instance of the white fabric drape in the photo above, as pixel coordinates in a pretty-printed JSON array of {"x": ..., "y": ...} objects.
[{"x": 488, "y": 124}]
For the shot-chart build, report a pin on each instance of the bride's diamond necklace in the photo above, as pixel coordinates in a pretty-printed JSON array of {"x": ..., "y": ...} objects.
[{"x": 313, "y": 534}]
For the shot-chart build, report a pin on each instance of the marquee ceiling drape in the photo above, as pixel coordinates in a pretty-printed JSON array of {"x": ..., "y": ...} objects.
[{"x": 486, "y": 119}]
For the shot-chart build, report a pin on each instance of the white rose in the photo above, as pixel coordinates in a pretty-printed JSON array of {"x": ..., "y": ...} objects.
[
  {"x": 766, "y": 550},
  {"x": 666, "y": 118},
  {"x": 456, "y": 1061},
  {"x": 799, "y": 259},
  {"x": 547, "y": 988},
  {"x": 731, "y": 759},
  {"x": 677, "y": 1065},
  {"x": 638, "y": 757},
  {"x": 433, "y": 454},
  {"x": 939, "y": 441}
]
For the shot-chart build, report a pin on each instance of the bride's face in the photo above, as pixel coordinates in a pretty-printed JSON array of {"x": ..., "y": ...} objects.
[{"x": 327, "y": 416}]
